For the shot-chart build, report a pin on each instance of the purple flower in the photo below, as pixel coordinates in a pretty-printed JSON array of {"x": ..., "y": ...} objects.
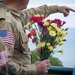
[
  {"x": 63, "y": 22},
  {"x": 64, "y": 39},
  {"x": 40, "y": 24},
  {"x": 58, "y": 21}
]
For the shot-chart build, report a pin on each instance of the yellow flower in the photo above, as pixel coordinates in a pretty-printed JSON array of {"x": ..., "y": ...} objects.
[
  {"x": 46, "y": 23},
  {"x": 54, "y": 25},
  {"x": 37, "y": 15},
  {"x": 48, "y": 44},
  {"x": 44, "y": 20},
  {"x": 50, "y": 48},
  {"x": 60, "y": 43},
  {"x": 55, "y": 46},
  {"x": 52, "y": 33},
  {"x": 42, "y": 44},
  {"x": 49, "y": 28},
  {"x": 27, "y": 26},
  {"x": 61, "y": 51},
  {"x": 58, "y": 39},
  {"x": 39, "y": 45},
  {"x": 58, "y": 30},
  {"x": 39, "y": 33},
  {"x": 63, "y": 32}
]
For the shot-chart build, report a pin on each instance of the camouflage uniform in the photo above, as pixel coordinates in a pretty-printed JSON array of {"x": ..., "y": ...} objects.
[{"x": 16, "y": 41}]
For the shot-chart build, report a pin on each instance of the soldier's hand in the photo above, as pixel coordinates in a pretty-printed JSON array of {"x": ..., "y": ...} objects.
[
  {"x": 65, "y": 10},
  {"x": 42, "y": 66}
]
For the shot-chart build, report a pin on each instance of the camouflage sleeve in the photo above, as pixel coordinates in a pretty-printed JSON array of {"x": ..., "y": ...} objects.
[
  {"x": 42, "y": 10},
  {"x": 28, "y": 70}
]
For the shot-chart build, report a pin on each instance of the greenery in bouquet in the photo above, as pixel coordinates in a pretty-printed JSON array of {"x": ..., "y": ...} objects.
[{"x": 46, "y": 34}]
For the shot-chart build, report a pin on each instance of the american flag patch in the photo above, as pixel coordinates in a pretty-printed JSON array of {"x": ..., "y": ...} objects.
[
  {"x": 7, "y": 36},
  {"x": 3, "y": 57}
]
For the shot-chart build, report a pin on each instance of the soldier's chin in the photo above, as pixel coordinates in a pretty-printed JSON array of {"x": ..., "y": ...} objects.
[{"x": 23, "y": 8}]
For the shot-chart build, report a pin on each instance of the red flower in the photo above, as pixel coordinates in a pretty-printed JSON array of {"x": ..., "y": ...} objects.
[
  {"x": 33, "y": 40},
  {"x": 38, "y": 49},
  {"x": 29, "y": 35},
  {"x": 36, "y": 19},
  {"x": 48, "y": 20},
  {"x": 46, "y": 30},
  {"x": 33, "y": 32}
]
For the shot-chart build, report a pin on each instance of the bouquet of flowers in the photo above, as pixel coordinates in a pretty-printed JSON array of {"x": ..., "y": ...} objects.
[{"x": 46, "y": 34}]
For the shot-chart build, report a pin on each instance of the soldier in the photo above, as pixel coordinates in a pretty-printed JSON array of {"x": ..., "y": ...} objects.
[{"x": 12, "y": 21}]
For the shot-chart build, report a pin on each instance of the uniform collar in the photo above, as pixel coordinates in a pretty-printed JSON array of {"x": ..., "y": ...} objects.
[{"x": 15, "y": 12}]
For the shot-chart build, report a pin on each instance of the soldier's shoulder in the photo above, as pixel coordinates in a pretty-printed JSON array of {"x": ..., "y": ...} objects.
[{"x": 2, "y": 13}]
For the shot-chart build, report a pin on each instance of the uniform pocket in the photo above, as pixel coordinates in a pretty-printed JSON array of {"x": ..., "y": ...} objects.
[
  {"x": 26, "y": 54},
  {"x": 24, "y": 42},
  {"x": 23, "y": 37}
]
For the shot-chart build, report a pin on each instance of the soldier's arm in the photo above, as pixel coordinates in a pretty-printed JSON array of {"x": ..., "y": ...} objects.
[
  {"x": 46, "y": 11},
  {"x": 42, "y": 10}
]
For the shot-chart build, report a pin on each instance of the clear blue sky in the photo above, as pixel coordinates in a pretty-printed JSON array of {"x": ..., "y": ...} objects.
[{"x": 66, "y": 58}]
